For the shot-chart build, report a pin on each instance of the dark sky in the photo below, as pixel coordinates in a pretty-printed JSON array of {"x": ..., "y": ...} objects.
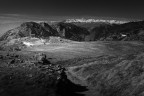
[{"x": 132, "y": 9}]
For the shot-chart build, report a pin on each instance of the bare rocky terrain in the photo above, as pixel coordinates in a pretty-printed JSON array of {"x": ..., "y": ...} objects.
[{"x": 56, "y": 60}]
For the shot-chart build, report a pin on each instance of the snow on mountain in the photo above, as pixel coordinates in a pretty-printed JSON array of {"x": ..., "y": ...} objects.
[{"x": 95, "y": 21}]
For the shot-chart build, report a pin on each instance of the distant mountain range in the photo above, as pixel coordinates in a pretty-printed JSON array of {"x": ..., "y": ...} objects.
[
  {"x": 80, "y": 30},
  {"x": 95, "y": 21}
]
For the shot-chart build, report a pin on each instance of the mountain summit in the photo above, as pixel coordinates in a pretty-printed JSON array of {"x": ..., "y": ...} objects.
[{"x": 28, "y": 29}]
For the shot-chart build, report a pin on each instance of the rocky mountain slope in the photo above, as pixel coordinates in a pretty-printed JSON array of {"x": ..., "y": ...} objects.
[
  {"x": 71, "y": 31},
  {"x": 125, "y": 32},
  {"x": 29, "y": 29},
  {"x": 49, "y": 29},
  {"x": 44, "y": 30}
]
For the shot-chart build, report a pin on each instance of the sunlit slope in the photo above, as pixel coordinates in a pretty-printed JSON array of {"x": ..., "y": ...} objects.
[{"x": 88, "y": 49}]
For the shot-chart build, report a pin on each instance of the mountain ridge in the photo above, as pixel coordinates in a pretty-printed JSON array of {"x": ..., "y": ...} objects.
[{"x": 94, "y": 32}]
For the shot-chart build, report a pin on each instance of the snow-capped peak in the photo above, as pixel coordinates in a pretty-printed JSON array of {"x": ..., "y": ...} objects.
[{"x": 95, "y": 21}]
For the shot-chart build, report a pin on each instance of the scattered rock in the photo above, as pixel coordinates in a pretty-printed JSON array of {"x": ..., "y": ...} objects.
[
  {"x": 1, "y": 57},
  {"x": 12, "y": 61},
  {"x": 42, "y": 59}
]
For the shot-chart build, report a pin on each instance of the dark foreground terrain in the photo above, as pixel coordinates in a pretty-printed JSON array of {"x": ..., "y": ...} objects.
[
  {"x": 74, "y": 69},
  {"x": 24, "y": 75}
]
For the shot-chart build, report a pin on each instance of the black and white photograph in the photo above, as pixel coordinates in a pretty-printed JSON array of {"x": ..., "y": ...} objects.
[{"x": 71, "y": 48}]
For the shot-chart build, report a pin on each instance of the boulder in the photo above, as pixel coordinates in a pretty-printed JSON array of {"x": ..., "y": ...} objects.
[{"x": 42, "y": 58}]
